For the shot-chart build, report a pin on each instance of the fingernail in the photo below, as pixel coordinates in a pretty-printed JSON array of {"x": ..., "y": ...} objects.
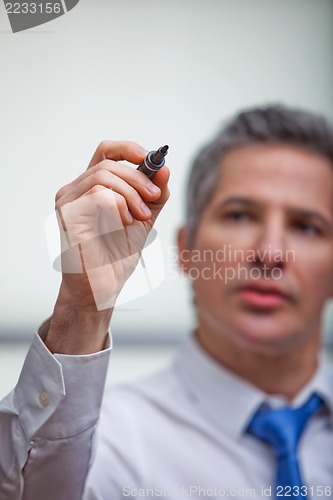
[
  {"x": 144, "y": 209},
  {"x": 152, "y": 188},
  {"x": 142, "y": 151}
]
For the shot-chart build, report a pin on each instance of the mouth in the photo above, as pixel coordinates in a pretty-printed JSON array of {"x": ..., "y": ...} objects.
[{"x": 262, "y": 297}]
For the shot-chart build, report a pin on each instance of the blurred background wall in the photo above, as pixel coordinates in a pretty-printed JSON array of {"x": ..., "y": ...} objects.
[{"x": 156, "y": 72}]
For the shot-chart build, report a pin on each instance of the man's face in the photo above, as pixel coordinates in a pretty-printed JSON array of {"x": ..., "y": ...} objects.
[{"x": 262, "y": 262}]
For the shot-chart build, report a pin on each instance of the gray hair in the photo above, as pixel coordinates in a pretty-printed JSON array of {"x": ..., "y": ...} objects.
[{"x": 273, "y": 124}]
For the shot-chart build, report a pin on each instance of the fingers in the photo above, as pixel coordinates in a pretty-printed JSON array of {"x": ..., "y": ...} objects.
[
  {"x": 107, "y": 153},
  {"x": 107, "y": 179},
  {"x": 134, "y": 153},
  {"x": 118, "y": 151},
  {"x": 137, "y": 196},
  {"x": 79, "y": 218}
]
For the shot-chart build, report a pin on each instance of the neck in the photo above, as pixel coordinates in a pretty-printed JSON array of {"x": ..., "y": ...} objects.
[{"x": 283, "y": 372}]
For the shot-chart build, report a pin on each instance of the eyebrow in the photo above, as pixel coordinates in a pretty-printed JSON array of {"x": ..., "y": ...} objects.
[
  {"x": 237, "y": 199},
  {"x": 310, "y": 214}
]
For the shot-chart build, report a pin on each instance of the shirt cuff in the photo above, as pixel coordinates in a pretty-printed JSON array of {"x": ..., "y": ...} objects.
[{"x": 59, "y": 395}]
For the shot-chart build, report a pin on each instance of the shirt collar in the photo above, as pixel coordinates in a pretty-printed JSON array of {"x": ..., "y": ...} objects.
[
  {"x": 322, "y": 384},
  {"x": 231, "y": 401}
]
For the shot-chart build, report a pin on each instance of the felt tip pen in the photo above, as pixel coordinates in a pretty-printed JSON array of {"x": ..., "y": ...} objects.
[{"x": 153, "y": 161}]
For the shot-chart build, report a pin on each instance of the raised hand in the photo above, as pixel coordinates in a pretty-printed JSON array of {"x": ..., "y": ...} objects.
[{"x": 104, "y": 218}]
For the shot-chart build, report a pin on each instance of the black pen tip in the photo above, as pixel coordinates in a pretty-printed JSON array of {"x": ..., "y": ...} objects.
[{"x": 157, "y": 158}]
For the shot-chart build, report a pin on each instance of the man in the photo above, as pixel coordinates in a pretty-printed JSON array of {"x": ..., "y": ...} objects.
[
  {"x": 262, "y": 190},
  {"x": 246, "y": 409}
]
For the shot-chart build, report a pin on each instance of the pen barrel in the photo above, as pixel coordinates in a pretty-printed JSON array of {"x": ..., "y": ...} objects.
[{"x": 148, "y": 167}]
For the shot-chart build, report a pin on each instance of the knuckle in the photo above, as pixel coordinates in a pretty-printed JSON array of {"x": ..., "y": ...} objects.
[
  {"x": 103, "y": 145},
  {"x": 133, "y": 196},
  {"x": 104, "y": 165},
  {"x": 96, "y": 189},
  {"x": 59, "y": 194},
  {"x": 60, "y": 204},
  {"x": 121, "y": 202},
  {"x": 132, "y": 144},
  {"x": 100, "y": 176}
]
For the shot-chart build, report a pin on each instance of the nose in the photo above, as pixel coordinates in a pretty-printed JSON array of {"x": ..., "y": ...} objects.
[{"x": 270, "y": 246}]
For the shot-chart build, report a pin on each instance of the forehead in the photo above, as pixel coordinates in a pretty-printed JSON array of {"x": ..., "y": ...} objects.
[{"x": 277, "y": 174}]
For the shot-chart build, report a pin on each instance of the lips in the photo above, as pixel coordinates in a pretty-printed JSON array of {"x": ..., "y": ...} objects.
[{"x": 261, "y": 296}]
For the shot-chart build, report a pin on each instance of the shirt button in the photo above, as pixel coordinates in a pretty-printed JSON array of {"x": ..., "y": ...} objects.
[{"x": 44, "y": 398}]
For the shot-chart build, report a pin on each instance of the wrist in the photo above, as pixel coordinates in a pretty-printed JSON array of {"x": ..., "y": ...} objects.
[{"x": 77, "y": 328}]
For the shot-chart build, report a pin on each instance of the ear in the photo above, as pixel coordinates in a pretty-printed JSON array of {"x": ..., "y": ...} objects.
[{"x": 184, "y": 253}]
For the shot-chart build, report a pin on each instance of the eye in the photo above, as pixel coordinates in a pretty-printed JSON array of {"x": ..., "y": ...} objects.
[
  {"x": 237, "y": 215},
  {"x": 307, "y": 228}
]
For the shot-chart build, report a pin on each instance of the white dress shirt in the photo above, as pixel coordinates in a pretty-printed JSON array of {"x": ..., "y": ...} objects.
[
  {"x": 47, "y": 425},
  {"x": 181, "y": 434}
]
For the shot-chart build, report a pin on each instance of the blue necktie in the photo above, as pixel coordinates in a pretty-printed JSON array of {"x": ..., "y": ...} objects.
[{"x": 282, "y": 428}]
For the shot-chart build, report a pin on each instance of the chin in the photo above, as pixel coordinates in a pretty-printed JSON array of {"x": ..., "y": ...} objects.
[{"x": 264, "y": 334}]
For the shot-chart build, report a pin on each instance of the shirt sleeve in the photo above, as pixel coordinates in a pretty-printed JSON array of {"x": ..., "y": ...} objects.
[{"x": 47, "y": 424}]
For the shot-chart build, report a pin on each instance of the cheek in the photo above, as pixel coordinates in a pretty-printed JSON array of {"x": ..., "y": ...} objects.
[
  {"x": 235, "y": 237},
  {"x": 321, "y": 279},
  {"x": 234, "y": 252},
  {"x": 210, "y": 282},
  {"x": 225, "y": 247},
  {"x": 314, "y": 269}
]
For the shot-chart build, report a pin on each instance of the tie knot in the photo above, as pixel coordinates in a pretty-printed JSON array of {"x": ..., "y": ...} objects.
[{"x": 282, "y": 428}]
